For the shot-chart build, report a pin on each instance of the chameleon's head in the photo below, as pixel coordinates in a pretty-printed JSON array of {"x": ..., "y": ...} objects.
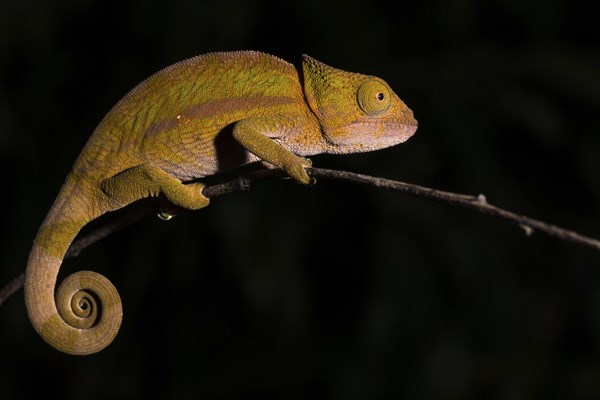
[{"x": 357, "y": 112}]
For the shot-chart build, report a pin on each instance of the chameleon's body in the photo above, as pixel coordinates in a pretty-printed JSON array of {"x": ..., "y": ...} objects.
[{"x": 191, "y": 120}]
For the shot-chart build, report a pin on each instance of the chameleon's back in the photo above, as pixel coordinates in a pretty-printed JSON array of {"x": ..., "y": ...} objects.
[{"x": 173, "y": 117}]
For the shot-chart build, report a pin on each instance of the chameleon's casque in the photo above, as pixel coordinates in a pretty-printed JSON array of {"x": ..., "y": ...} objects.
[{"x": 190, "y": 120}]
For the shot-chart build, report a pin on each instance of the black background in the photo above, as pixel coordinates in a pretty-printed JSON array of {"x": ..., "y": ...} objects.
[{"x": 335, "y": 291}]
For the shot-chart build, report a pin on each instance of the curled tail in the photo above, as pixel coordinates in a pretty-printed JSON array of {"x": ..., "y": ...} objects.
[{"x": 84, "y": 315}]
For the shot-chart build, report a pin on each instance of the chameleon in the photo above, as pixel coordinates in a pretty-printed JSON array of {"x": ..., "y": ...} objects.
[{"x": 190, "y": 120}]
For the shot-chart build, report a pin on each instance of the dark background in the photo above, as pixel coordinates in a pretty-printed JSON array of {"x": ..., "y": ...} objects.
[{"x": 335, "y": 291}]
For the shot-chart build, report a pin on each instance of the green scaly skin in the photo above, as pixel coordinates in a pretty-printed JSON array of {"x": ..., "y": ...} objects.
[{"x": 190, "y": 120}]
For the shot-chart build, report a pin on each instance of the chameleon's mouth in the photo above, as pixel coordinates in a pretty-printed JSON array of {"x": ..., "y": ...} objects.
[{"x": 401, "y": 130}]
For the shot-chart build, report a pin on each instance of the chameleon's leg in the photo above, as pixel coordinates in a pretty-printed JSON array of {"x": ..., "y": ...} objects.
[
  {"x": 255, "y": 135},
  {"x": 146, "y": 181}
]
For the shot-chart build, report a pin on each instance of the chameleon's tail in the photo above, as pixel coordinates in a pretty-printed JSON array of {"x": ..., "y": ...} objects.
[{"x": 85, "y": 314}]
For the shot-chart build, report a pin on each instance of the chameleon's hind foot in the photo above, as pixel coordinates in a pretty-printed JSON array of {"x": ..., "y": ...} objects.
[{"x": 146, "y": 181}]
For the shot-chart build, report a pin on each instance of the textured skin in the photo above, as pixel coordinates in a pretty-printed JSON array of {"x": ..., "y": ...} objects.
[{"x": 191, "y": 120}]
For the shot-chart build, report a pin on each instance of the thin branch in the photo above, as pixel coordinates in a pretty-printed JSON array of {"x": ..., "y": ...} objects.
[
  {"x": 245, "y": 182},
  {"x": 11, "y": 287},
  {"x": 478, "y": 203}
]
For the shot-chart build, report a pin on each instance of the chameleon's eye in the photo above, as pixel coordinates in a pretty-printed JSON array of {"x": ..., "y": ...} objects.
[{"x": 373, "y": 97}]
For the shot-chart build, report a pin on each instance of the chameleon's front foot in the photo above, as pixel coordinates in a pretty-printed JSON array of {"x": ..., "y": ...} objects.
[
  {"x": 255, "y": 135},
  {"x": 296, "y": 169}
]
